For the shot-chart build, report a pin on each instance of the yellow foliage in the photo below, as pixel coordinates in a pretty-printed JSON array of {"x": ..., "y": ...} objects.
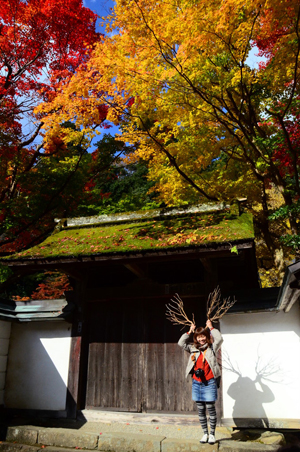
[{"x": 199, "y": 109}]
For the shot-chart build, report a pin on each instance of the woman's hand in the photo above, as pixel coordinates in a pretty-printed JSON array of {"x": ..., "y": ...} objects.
[
  {"x": 209, "y": 324},
  {"x": 192, "y": 328}
]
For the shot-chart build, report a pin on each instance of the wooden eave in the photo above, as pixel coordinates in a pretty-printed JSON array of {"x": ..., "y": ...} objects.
[
  {"x": 255, "y": 299},
  {"x": 35, "y": 310},
  {"x": 290, "y": 289}
]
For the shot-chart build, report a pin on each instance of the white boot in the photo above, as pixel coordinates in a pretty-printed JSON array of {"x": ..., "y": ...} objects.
[
  {"x": 204, "y": 438},
  {"x": 211, "y": 439}
]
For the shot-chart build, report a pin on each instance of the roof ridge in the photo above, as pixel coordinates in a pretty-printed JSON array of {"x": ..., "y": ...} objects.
[{"x": 140, "y": 215}]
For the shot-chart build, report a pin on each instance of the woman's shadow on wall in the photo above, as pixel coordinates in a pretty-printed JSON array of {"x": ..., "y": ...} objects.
[{"x": 251, "y": 395}]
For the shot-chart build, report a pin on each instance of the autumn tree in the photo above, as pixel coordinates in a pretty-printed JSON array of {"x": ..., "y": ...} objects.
[
  {"x": 42, "y": 285},
  {"x": 210, "y": 125},
  {"x": 115, "y": 185},
  {"x": 42, "y": 45}
]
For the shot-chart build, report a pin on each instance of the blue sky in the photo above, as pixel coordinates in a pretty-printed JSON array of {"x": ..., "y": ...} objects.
[{"x": 101, "y": 7}]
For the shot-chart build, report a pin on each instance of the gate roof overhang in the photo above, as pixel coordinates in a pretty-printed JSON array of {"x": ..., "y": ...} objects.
[
  {"x": 204, "y": 229},
  {"x": 136, "y": 243}
]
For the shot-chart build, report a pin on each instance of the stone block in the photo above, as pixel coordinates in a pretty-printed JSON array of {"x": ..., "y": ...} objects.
[
  {"x": 22, "y": 435},
  {"x": 274, "y": 438},
  {"x": 13, "y": 447},
  {"x": 181, "y": 445},
  {"x": 245, "y": 446},
  {"x": 62, "y": 449},
  {"x": 129, "y": 442},
  {"x": 67, "y": 438}
]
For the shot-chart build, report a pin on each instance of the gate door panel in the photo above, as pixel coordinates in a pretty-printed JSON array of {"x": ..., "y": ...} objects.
[
  {"x": 135, "y": 363},
  {"x": 113, "y": 369}
]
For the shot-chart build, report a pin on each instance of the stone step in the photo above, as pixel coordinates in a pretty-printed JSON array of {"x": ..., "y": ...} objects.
[
  {"x": 6, "y": 446},
  {"x": 38, "y": 439}
]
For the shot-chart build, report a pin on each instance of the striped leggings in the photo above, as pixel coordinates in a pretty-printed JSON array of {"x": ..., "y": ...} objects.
[{"x": 212, "y": 416}]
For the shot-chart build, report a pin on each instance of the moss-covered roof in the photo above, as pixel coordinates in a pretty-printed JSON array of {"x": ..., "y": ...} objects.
[{"x": 188, "y": 229}]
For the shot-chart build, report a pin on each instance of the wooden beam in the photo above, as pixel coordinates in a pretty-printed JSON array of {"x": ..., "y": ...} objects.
[
  {"x": 136, "y": 270},
  {"x": 206, "y": 264},
  {"x": 146, "y": 290},
  {"x": 210, "y": 277}
]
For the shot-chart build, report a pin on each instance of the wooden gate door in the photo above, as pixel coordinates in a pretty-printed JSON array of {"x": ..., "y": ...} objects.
[
  {"x": 114, "y": 356},
  {"x": 135, "y": 363}
]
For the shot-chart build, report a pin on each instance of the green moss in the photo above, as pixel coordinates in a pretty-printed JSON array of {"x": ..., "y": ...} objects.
[{"x": 175, "y": 232}]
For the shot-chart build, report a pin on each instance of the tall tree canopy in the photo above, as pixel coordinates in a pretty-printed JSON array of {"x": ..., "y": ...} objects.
[
  {"x": 42, "y": 45},
  {"x": 115, "y": 186},
  {"x": 210, "y": 125}
]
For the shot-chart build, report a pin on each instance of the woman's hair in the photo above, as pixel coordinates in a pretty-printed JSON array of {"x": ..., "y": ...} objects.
[{"x": 199, "y": 331}]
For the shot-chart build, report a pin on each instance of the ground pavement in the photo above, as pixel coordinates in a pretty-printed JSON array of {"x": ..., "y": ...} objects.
[{"x": 125, "y": 432}]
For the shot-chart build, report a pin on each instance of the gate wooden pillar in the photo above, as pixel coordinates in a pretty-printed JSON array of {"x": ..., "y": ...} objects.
[{"x": 79, "y": 352}]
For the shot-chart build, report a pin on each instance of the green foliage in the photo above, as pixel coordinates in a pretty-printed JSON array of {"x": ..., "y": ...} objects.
[
  {"x": 118, "y": 187},
  {"x": 292, "y": 241},
  {"x": 5, "y": 273},
  {"x": 51, "y": 190},
  {"x": 286, "y": 211}
]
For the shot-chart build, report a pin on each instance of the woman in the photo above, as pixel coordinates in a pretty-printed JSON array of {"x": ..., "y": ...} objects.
[{"x": 204, "y": 368}]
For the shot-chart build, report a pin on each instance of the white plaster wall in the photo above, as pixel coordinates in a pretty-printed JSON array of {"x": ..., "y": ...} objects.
[
  {"x": 4, "y": 343},
  {"x": 38, "y": 364},
  {"x": 261, "y": 344}
]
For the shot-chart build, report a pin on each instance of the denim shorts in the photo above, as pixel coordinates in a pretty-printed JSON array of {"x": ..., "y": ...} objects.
[{"x": 204, "y": 393}]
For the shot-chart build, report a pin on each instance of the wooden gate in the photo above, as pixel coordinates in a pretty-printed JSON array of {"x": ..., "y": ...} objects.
[{"x": 135, "y": 363}]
